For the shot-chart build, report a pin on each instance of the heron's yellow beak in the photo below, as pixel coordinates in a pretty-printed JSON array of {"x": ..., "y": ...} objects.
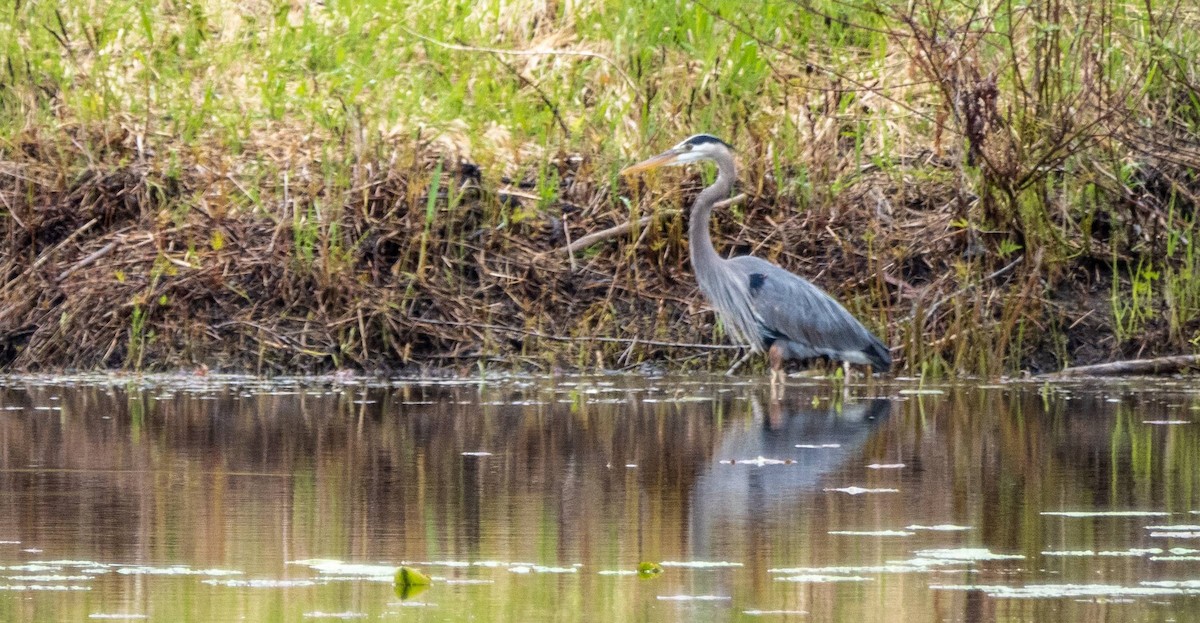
[{"x": 667, "y": 157}]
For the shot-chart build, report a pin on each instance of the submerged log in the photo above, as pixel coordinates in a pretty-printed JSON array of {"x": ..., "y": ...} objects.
[{"x": 1157, "y": 365}]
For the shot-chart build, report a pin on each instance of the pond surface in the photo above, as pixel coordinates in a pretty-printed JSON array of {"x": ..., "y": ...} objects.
[{"x": 230, "y": 499}]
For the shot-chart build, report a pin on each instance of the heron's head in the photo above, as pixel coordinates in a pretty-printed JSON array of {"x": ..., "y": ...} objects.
[{"x": 692, "y": 149}]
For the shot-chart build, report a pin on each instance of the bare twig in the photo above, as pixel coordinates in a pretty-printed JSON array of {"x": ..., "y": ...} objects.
[
  {"x": 87, "y": 261},
  {"x": 623, "y": 228}
]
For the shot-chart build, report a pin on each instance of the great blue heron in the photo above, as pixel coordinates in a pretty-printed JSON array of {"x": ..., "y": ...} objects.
[{"x": 763, "y": 305}]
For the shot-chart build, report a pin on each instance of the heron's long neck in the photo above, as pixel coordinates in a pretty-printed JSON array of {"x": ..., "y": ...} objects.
[{"x": 700, "y": 246}]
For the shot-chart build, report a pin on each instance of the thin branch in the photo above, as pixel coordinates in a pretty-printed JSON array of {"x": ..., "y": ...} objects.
[
  {"x": 87, "y": 261},
  {"x": 623, "y": 228}
]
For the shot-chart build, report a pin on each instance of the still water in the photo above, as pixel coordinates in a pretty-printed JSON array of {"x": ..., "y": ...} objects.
[{"x": 234, "y": 499}]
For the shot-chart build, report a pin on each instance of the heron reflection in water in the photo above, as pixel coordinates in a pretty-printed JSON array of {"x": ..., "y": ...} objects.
[
  {"x": 761, "y": 304},
  {"x": 819, "y": 442}
]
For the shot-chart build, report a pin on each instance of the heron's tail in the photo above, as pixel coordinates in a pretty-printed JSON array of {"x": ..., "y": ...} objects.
[{"x": 878, "y": 354}]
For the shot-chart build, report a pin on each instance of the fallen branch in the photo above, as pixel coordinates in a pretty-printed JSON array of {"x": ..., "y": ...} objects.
[
  {"x": 1157, "y": 365},
  {"x": 623, "y": 228},
  {"x": 91, "y": 259},
  {"x": 87, "y": 261}
]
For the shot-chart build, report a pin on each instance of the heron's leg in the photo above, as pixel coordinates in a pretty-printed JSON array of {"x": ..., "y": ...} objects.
[
  {"x": 845, "y": 371},
  {"x": 737, "y": 364},
  {"x": 775, "y": 358},
  {"x": 777, "y": 384}
]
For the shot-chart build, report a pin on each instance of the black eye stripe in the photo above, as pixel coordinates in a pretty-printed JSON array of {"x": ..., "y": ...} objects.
[{"x": 700, "y": 139}]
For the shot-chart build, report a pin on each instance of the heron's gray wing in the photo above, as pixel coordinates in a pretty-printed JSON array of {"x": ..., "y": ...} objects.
[{"x": 794, "y": 309}]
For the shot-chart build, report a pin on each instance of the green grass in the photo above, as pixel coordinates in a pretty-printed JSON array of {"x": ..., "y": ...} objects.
[{"x": 360, "y": 75}]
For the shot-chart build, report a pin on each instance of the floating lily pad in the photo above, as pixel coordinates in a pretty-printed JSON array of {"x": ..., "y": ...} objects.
[
  {"x": 649, "y": 569},
  {"x": 407, "y": 576}
]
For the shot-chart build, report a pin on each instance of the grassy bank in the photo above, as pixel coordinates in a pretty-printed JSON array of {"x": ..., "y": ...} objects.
[{"x": 295, "y": 186}]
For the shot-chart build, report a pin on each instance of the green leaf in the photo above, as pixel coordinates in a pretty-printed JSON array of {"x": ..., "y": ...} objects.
[{"x": 407, "y": 576}]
